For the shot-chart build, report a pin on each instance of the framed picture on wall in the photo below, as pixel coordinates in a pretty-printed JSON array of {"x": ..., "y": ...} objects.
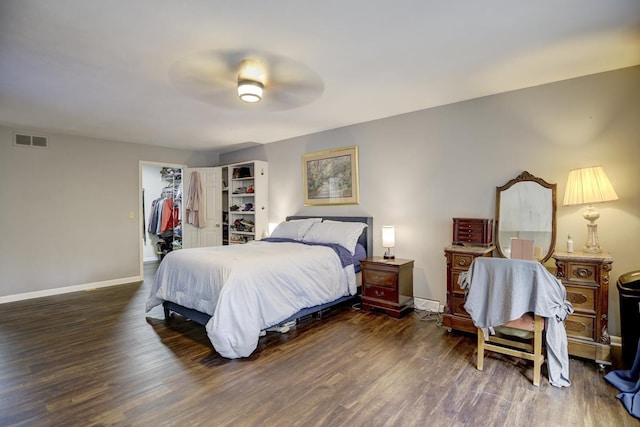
[{"x": 331, "y": 177}]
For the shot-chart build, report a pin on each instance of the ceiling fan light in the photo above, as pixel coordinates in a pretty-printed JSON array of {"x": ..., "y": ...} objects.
[{"x": 250, "y": 90}]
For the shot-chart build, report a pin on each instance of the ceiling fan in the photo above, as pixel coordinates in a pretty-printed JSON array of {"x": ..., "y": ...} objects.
[{"x": 274, "y": 82}]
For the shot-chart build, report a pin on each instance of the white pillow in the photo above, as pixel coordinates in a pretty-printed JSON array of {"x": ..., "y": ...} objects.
[
  {"x": 306, "y": 219},
  {"x": 342, "y": 233},
  {"x": 292, "y": 229}
]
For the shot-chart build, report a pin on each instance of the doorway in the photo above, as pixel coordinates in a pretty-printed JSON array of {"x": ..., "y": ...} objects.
[{"x": 155, "y": 181}]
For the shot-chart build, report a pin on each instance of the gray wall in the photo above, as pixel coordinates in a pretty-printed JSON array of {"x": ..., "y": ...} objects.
[
  {"x": 419, "y": 170},
  {"x": 65, "y": 210}
]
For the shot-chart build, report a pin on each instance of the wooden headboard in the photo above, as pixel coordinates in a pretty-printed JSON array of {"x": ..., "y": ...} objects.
[{"x": 366, "y": 238}]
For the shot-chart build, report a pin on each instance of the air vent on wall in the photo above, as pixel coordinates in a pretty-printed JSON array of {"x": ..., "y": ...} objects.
[{"x": 24, "y": 140}]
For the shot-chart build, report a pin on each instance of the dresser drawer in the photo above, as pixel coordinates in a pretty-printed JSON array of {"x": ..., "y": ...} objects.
[
  {"x": 380, "y": 278},
  {"x": 461, "y": 261},
  {"x": 582, "y": 273},
  {"x": 458, "y": 306},
  {"x": 582, "y": 298},
  {"x": 580, "y": 326},
  {"x": 454, "y": 282},
  {"x": 380, "y": 292}
]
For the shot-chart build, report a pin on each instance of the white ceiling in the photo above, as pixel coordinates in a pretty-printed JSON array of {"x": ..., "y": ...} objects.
[{"x": 102, "y": 68}]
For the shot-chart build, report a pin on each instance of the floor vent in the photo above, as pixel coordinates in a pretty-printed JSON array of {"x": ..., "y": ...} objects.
[{"x": 24, "y": 140}]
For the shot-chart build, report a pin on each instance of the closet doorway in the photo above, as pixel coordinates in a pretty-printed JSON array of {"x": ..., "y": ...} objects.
[
  {"x": 160, "y": 185},
  {"x": 159, "y": 182}
]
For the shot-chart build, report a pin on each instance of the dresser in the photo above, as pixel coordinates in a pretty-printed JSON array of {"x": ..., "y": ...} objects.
[
  {"x": 586, "y": 277},
  {"x": 387, "y": 284},
  {"x": 459, "y": 258}
]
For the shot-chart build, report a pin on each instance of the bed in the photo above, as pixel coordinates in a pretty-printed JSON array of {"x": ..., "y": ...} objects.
[{"x": 237, "y": 292}]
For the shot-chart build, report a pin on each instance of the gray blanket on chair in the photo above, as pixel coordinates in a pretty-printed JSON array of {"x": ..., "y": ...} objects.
[{"x": 500, "y": 290}]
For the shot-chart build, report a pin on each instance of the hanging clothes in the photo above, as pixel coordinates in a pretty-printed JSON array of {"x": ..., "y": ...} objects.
[
  {"x": 164, "y": 217},
  {"x": 166, "y": 220},
  {"x": 195, "y": 213}
]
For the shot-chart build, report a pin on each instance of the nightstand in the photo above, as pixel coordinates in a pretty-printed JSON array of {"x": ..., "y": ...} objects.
[
  {"x": 586, "y": 277},
  {"x": 387, "y": 284}
]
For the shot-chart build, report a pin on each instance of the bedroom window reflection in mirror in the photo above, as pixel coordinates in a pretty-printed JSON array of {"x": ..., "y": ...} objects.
[{"x": 526, "y": 209}]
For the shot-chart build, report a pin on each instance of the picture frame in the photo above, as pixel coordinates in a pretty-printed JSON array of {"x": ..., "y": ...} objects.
[{"x": 331, "y": 177}]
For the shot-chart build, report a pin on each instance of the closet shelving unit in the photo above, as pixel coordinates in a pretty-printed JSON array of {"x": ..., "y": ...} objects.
[{"x": 247, "y": 197}]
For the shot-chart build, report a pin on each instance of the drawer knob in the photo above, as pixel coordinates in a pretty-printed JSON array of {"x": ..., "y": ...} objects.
[
  {"x": 583, "y": 272},
  {"x": 377, "y": 278},
  {"x": 462, "y": 262},
  {"x": 378, "y": 293}
]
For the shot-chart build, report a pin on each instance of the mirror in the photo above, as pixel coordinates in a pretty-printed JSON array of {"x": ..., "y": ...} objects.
[{"x": 526, "y": 209}]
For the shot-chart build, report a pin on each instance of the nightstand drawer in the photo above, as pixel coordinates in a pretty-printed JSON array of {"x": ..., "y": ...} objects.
[
  {"x": 580, "y": 326},
  {"x": 582, "y": 273},
  {"x": 458, "y": 306},
  {"x": 582, "y": 298},
  {"x": 380, "y": 278},
  {"x": 380, "y": 292},
  {"x": 461, "y": 261}
]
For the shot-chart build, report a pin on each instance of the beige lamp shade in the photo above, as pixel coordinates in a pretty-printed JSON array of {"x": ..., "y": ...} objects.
[{"x": 587, "y": 186}]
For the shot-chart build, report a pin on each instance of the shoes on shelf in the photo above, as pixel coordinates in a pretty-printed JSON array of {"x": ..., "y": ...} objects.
[{"x": 240, "y": 190}]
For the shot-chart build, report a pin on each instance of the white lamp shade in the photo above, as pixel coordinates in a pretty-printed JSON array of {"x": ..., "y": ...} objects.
[
  {"x": 388, "y": 236},
  {"x": 250, "y": 91},
  {"x": 587, "y": 186}
]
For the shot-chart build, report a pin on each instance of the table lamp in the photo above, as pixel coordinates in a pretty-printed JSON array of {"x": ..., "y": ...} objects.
[
  {"x": 388, "y": 240},
  {"x": 587, "y": 186}
]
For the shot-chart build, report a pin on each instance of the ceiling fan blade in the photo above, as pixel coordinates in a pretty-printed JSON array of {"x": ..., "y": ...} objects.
[
  {"x": 289, "y": 96},
  {"x": 211, "y": 77}
]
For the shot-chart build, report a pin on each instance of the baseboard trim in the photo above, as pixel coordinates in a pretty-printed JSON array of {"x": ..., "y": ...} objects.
[
  {"x": 68, "y": 289},
  {"x": 615, "y": 341}
]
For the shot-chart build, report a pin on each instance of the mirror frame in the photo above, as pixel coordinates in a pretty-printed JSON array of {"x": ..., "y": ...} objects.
[{"x": 527, "y": 177}]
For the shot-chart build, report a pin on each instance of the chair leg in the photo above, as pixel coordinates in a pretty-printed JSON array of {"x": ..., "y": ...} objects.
[
  {"x": 537, "y": 350},
  {"x": 537, "y": 366},
  {"x": 480, "y": 363}
]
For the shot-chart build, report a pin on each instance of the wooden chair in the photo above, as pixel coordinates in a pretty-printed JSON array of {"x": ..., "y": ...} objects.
[
  {"x": 505, "y": 343},
  {"x": 522, "y": 337}
]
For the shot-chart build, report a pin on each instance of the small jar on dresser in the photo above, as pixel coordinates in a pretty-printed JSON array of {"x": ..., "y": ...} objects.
[
  {"x": 586, "y": 278},
  {"x": 459, "y": 258},
  {"x": 387, "y": 284}
]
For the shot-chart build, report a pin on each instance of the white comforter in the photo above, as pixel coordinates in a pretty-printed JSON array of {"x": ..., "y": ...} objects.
[{"x": 248, "y": 288}]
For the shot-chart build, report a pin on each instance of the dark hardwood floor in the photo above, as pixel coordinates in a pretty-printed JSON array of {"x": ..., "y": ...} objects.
[{"x": 95, "y": 358}]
